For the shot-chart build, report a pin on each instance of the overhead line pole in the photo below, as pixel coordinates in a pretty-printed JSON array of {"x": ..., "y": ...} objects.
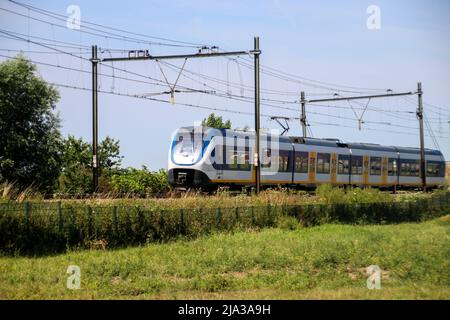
[
  {"x": 256, "y": 159},
  {"x": 144, "y": 55},
  {"x": 422, "y": 143},
  {"x": 94, "y": 61},
  {"x": 303, "y": 116}
]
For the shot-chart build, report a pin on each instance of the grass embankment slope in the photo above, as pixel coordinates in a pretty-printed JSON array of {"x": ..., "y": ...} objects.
[{"x": 322, "y": 262}]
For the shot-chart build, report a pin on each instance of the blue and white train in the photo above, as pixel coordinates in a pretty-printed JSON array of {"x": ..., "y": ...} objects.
[{"x": 206, "y": 157}]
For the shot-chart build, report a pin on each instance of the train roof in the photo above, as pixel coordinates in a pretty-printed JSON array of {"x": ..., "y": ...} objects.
[
  {"x": 362, "y": 146},
  {"x": 333, "y": 142}
]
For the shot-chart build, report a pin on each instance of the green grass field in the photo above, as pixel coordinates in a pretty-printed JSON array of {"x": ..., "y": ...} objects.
[{"x": 325, "y": 262}]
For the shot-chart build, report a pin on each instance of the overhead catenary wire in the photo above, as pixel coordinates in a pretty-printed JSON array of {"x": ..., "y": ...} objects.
[
  {"x": 75, "y": 55},
  {"x": 249, "y": 100},
  {"x": 265, "y": 104},
  {"x": 273, "y": 102},
  {"x": 407, "y": 133},
  {"x": 288, "y": 76},
  {"x": 211, "y": 108},
  {"x": 56, "y": 43},
  {"x": 86, "y": 71},
  {"x": 226, "y": 96},
  {"x": 121, "y": 37},
  {"x": 174, "y": 67},
  {"x": 430, "y": 130},
  {"x": 442, "y": 111},
  {"x": 309, "y": 82},
  {"x": 138, "y": 96},
  {"x": 50, "y": 13},
  {"x": 38, "y": 52},
  {"x": 61, "y": 17},
  {"x": 109, "y": 35},
  {"x": 194, "y": 105}
]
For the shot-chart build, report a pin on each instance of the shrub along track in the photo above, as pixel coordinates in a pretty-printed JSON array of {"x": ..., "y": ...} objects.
[{"x": 50, "y": 227}]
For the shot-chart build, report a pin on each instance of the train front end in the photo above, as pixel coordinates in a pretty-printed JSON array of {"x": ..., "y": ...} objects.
[{"x": 188, "y": 155}]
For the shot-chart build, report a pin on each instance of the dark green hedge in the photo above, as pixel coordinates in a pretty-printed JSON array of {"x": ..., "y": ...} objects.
[{"x": 38, "y": 228}]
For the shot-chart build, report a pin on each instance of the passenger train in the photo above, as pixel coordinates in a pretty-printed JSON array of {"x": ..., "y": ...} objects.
[{"x": 206, "y": 158}]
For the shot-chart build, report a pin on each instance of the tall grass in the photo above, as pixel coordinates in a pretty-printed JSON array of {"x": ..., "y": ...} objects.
[
  {"x": 325, "y": 262},
  {"x": 11, "y": 191},
  {"x": 329, "y": 194}
]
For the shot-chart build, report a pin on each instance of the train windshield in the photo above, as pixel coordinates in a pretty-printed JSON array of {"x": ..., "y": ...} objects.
[{"x": 187, "y": 145}]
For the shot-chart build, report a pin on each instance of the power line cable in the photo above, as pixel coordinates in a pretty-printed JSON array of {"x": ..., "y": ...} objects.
[
  {"x": 102, "y": 33},
  {"x": 49, "y": 47},
  {"x": 40, "y": 10}
]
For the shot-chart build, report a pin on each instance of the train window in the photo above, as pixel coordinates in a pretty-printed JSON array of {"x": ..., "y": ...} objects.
[
  {"x": 232, "y": 159},
  {"x": 245, "y": 156},
  {"x": 409, "y": 168},
  {"x": 266, "y": 155},
  {"x": 357, "y": 165},
  {"x": 323, "y": 163},
  {"x": 416, "y": 165},
  {"x": 243, "y": 160},
  {"x": 375, "y": 166},
  {"x": 432, "y": 169},
  {"x": 238, "y": 158},
  {"x": 283, "y": 163},
  {"x": 392, "y": 167},
  {"x": 301, "y": 162},
  {"x": 404, "y": 168},
  {"x": 186, "y": 147},
  {"x": 189, "y": 144},
  {"x": 266, "y": 158},
  {"x": 232, "y": 156},
  {"x": 343, "y": 164},
  {"x": 435, "y": 169}
]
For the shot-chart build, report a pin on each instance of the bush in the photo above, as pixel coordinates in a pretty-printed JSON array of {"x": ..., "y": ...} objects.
[
  {"x": 288, "y": 223},
  {"x": 369, "y": 195},
  {"x": 47, "y": 227},
  {"x": 329, "y": 194},
  {"x": 140, "y": 181}
]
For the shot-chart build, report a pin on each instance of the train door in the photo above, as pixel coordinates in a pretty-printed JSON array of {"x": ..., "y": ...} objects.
[
  {"x": 366, "y": 168},
  {"x": 333, "y": 168},
  {"x": 312, "y": 167},
  {"x": 384, "y": 171}
]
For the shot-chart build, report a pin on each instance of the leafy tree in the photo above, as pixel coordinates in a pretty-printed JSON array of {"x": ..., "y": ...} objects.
[
  {"x": 214, "y": 121},
  {"x": 30, "y": 140},
  {"x": 76, "y": 175}
]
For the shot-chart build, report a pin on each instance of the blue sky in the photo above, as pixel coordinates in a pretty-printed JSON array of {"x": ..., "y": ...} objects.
[{"x": 321, "y": 40}]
